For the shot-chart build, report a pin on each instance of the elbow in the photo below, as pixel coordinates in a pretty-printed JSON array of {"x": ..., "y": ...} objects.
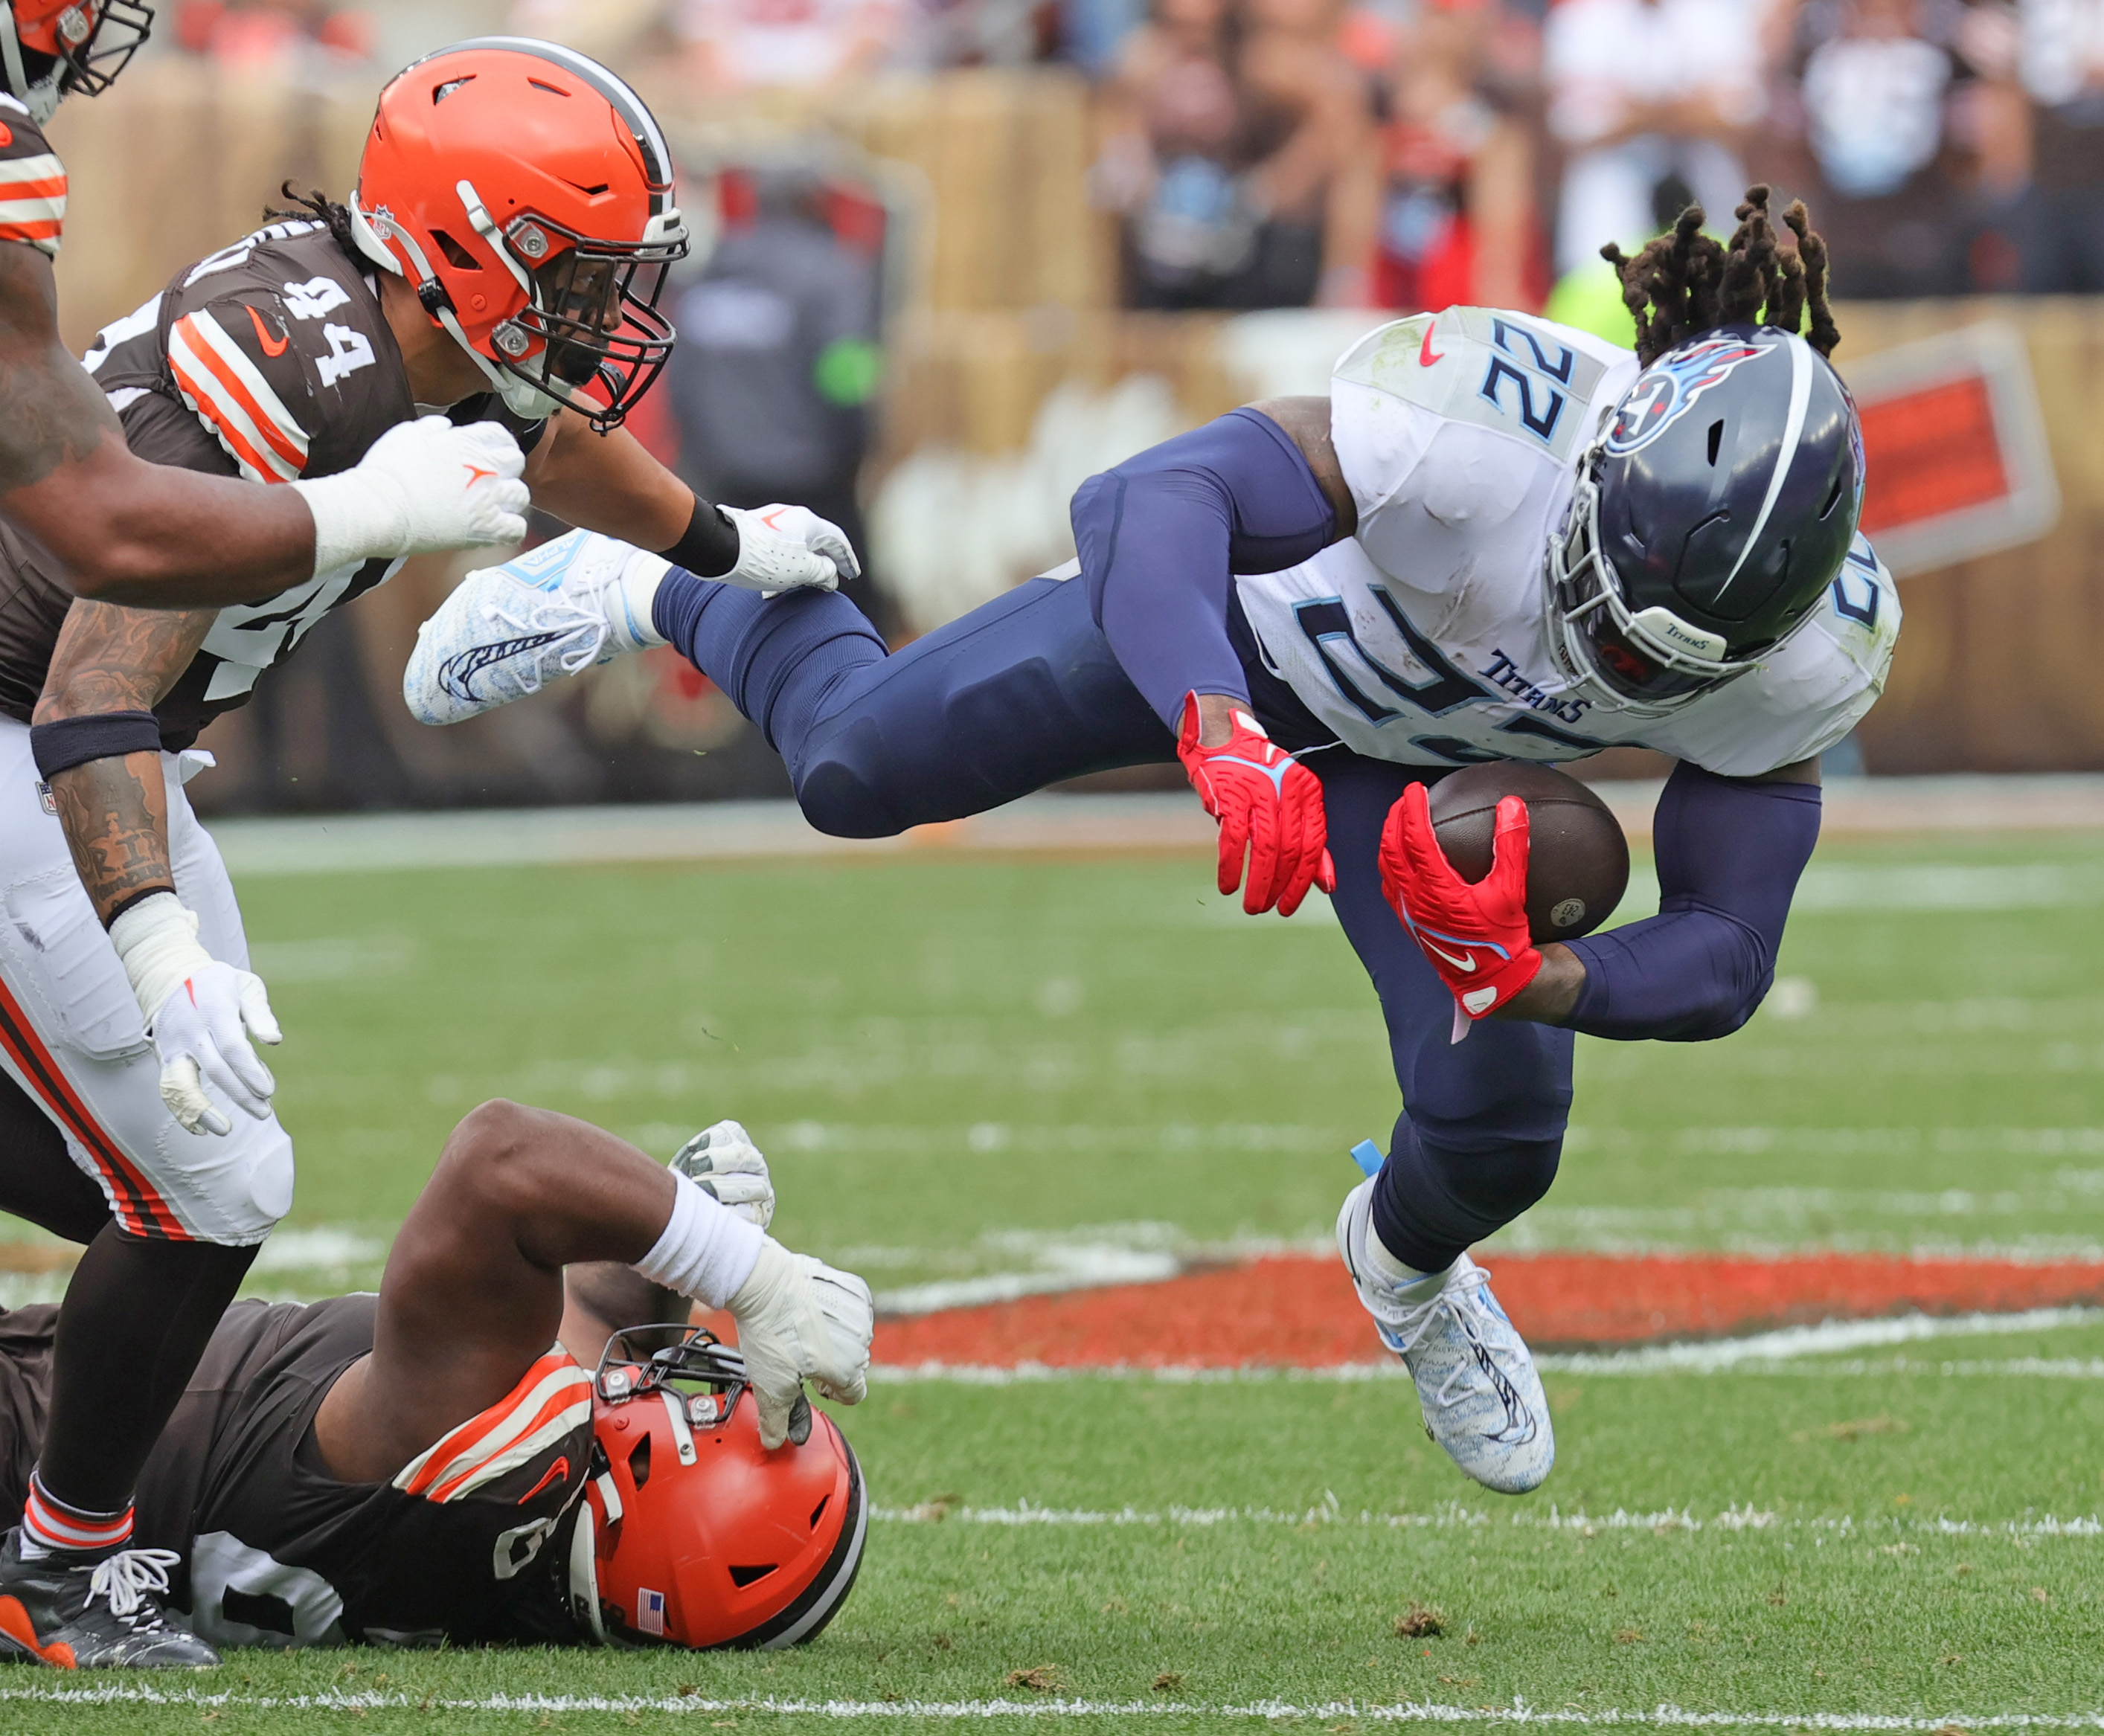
[
  {"x": 109, "y": 567},
  {"x": 1733, "y": 996}
]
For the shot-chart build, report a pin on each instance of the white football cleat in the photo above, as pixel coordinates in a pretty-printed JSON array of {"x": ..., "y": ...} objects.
[
  {"x": 543, "y": 616},
  {"x": 1482, "y": 1398}
]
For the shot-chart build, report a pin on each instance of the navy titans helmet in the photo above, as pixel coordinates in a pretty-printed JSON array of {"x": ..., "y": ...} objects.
[{"x": 1710, "y": 516}]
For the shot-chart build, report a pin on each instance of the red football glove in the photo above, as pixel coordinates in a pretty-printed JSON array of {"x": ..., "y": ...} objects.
[
  {"x": 1270, "y": 808},
  {"x": 1476, "y": 936}
]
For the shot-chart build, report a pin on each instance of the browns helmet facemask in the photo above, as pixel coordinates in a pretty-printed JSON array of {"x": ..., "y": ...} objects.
[{"x": 55, "y": 48}]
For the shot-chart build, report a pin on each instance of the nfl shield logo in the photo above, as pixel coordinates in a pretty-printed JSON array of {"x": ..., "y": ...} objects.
[{"x": 650, "y": 1611}]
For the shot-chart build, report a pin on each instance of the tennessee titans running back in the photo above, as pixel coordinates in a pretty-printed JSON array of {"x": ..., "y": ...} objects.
[{"x": 1496, "y": 538}]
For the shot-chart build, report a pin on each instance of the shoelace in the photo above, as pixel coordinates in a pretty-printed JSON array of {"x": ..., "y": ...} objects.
[
  {"x": 555, "y": 615},
  {"x": 1449, "y": 1300},
  {"x": 129, "y": 1580}
]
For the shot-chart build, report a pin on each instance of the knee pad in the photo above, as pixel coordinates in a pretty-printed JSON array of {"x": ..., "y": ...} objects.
[{"x": 231, "y": 1188}]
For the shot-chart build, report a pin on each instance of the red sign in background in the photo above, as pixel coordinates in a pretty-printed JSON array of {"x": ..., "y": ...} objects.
[{"x": 1931, "y": 452}]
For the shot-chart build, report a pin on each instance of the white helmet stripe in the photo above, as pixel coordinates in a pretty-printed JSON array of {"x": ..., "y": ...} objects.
[
  {"x": 1793, "y": 431},
  {"x": 843, "y": 1577},
  {"x": 641, "y": 123}
]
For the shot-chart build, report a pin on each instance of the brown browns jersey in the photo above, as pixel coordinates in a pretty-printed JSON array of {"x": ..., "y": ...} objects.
[
  {"x": 473, "y": 1541},
  {"x": 268, "y": 359}
]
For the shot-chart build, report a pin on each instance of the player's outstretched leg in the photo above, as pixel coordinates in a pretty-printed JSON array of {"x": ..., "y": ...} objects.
[
  {"x": 1476, "y": 1145},
  {"x": 1482, "y": 1398},
  {"x": 1021, "y": 693}
]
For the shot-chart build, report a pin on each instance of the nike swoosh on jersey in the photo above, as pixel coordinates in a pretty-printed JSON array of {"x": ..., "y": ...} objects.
[
  {"x": 1425, "y": 358},
  {"x": 273, "y": 347}
]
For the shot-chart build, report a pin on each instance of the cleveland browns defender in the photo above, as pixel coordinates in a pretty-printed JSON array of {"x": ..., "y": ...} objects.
[
  {"x": 113, "y": 526},
  {"x": 438, "y": 1464},
  {"x": 1496, "y": 538},
  {"x": 500, "y": 264}
]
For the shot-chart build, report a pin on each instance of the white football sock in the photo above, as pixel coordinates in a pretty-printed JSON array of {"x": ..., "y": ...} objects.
[
  {"x": 706, "y": 1250},
  {"x": 629, "y": 599},
  {"x": 1411, "y": 1285}
]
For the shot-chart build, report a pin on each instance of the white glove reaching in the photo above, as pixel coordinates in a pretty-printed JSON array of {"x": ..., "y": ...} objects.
[
  {"x": 200, "y": 1012},
  {"x": 725, "y": 1164},
  {"x": 425, "y": 486},
  {"x": 798, "y": 1319},
  {"x": 788, "y": 548}
]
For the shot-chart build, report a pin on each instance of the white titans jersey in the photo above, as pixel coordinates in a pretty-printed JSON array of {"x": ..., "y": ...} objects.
[{"x": 1425, "y": 638}]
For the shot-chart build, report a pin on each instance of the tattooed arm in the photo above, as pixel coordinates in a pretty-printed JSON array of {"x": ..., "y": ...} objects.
[{"x": 115, "y": 811}]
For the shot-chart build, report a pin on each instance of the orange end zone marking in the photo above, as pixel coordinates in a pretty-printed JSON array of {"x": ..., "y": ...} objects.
[{"x": 1301, "y": 1311}]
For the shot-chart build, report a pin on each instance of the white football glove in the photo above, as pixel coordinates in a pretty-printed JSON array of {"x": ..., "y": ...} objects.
[
  {"x": 425, "y": 486},
  {"x": 200, "y": 1012},
  {"x": 788, "y": 548},
  {"x": 726, "y": 1165},
  {"x": 798, "y": 1319}
]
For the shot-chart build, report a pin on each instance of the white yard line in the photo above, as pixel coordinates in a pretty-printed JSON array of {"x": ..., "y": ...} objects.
[
  {"x": 1761, "y": 1353},
  {"x": 1519, "y": 1711},
  {"x": 709, "y": 832},
  {"x": 1663, "y": 1523}
]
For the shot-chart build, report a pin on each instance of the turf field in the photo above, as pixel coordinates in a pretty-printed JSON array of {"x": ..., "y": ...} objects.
[{"x": 965, "y": 1067}]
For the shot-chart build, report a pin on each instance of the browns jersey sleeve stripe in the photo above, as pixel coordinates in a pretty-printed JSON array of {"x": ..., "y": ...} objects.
[
  {"x": 231, "y": 394},
  {"x": 553, "y": 1398},
  {"x": 32, "y": 181}
]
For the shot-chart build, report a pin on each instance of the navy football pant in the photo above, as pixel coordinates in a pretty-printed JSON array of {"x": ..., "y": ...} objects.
[{"x": 1024, "y": 692}]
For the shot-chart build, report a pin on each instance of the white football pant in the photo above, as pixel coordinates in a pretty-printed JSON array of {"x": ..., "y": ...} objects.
[{"x": 71, "y": 1036}]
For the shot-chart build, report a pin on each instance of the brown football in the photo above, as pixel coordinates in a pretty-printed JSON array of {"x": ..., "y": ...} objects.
[{"x": 1578, "y": 860}]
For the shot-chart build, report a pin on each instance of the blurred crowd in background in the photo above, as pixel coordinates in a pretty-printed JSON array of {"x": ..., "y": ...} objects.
[
  {"x": 955, "y": 256},
  {"x": 1412, "y": 153}
]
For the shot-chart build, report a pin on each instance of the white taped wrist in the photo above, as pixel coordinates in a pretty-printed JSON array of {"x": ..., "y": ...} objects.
[
  {"x": 353, "y": 521},
  {"x": 706, "y": 1251},
  {"x": 157, "y": 941}
]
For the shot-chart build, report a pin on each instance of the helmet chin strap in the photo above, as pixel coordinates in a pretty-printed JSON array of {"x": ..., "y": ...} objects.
[
  {"x": 374, "y": 231},
  {"x": 42, "y": 98}
]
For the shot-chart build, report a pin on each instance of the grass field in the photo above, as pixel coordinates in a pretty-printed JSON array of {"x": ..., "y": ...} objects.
[{"x": 963, "y": 1066}]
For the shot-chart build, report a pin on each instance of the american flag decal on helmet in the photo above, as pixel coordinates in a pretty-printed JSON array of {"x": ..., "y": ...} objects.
[
  {"x": 554, "y": 1398},
  {"x": 32, "y": 200},
  {"x": 650, "y": 1611}
]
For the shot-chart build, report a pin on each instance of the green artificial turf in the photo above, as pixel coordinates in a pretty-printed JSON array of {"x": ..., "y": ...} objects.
[{"x": 956, "y": 1063}]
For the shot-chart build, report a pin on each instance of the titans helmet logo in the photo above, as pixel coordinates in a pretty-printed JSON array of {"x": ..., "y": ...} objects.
[{"x": 1668, "y": 390}]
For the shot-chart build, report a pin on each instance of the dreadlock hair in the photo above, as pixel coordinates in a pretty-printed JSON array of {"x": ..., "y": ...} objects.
[
  {"x": 311, "y": 207},
  {"x": 1686, "y": 283}
]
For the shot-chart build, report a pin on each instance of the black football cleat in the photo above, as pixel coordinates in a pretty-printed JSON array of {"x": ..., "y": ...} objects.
[{"x": 76, "y": 1612}]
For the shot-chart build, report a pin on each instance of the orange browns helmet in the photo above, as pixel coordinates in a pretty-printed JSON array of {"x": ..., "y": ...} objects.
[
  {"x": 55, "y": 48},
  {"x": 526, "y": 194},
  {"x": 703, "y": 1538}
]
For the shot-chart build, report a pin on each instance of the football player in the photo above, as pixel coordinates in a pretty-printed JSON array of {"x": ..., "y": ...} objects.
[
  {"x": 1496, "y": 538},
  {"x": 422, "y": 1466},
  {"x": 110, "y": 524},
  {"x": 501, "y": 259}
]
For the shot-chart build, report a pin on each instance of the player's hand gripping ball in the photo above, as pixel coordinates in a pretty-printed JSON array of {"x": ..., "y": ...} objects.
[
  {"x": 1270, "y": 810},
  {"x": 1475, "y": 935}
]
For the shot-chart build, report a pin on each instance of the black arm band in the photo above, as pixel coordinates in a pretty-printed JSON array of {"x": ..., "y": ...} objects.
[
  {"x": 710, "y": 549},
  {"x": 109, "y": 735}
]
